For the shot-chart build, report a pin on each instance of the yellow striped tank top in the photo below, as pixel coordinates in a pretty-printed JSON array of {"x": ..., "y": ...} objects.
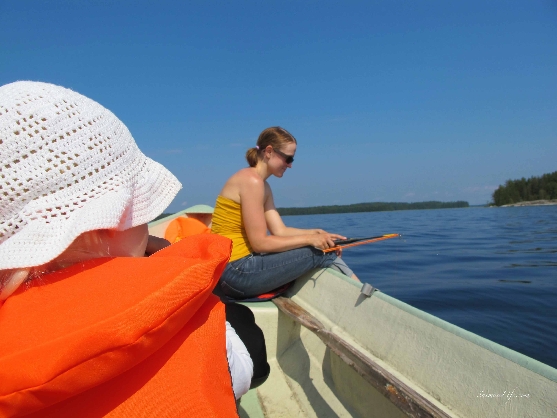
[{"x": 227, "y": 221}]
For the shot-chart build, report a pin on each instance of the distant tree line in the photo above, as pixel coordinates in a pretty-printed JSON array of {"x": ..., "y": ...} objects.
[
  {"x": 361, "y": 207},
  {"x": 371, "y": 207},
  {"x": 526, "y": 190}
]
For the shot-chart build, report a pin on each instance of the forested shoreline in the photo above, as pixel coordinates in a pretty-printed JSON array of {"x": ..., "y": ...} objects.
[
  {"x": 525, "y": 190},
  {"x": 362, "y": 207},
  {"x": 371, "y": 207}
]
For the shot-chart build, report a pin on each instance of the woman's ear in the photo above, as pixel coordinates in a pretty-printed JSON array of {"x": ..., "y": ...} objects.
[{"x": 268, "y": 151}]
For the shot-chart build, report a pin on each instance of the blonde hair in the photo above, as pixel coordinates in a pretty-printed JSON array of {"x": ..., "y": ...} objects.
[{"x": 275, "y": 136}]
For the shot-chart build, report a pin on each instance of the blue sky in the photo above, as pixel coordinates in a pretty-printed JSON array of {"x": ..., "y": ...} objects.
[{"x": 400, "y": 101}]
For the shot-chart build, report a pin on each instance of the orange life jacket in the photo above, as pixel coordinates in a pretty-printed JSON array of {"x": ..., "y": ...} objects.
[
  {"x": 182, "y": 227},
  {"x": 120, "y": 337}
]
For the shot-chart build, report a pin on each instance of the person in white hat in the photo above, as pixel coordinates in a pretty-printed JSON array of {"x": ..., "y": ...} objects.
[{"x": 83, "y": 326}]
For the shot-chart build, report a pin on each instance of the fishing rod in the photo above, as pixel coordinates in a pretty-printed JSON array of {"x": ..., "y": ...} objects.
[{"x": 353, "y": 242}]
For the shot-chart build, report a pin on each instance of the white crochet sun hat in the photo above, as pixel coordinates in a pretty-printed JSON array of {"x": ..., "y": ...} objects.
[{"x": 67, "y": 166}]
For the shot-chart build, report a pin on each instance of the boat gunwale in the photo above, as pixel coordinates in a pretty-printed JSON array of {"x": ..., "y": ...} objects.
[
  {"x": 167, "y": 218},
  {"x": 402, "y": 395}
]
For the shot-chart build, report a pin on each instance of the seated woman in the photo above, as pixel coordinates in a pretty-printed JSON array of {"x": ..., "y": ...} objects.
[
  {"x": 89, "y": 327},
  {"x": 245, "y": 212},
  {"x": 197, "y": 221}
]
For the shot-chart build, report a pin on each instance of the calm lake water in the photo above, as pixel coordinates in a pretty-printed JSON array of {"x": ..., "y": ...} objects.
[{"x": 491, "y": 271}]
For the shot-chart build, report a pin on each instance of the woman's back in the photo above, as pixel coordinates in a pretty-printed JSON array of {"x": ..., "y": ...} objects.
[{"x": 227, "y": 221}]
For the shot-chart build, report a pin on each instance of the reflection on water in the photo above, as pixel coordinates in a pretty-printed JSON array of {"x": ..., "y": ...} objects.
[
  {"x": 488, "y": 270},
  {"x": 515, "y": 281},
  {"x": 537, "y": 264}
]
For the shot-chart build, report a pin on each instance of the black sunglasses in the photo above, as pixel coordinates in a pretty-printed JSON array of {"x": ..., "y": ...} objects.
[{"x": 288, "y": 159}]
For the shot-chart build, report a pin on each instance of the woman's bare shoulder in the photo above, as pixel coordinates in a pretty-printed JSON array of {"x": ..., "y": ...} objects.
[
  {"x": 244, "y": 178},
  {"x": 247, "y": 176}
]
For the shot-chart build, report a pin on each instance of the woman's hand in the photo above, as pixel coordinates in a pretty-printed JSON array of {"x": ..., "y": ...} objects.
[{"x": 323, "y": 240}]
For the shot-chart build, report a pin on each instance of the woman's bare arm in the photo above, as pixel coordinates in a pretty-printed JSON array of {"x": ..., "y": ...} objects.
[
  {"x": 254, "y": 195},
  {"x": 276, "y": 225}
]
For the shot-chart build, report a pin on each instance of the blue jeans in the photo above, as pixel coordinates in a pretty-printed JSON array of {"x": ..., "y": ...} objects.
[{"x": 258, "y": 273}]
